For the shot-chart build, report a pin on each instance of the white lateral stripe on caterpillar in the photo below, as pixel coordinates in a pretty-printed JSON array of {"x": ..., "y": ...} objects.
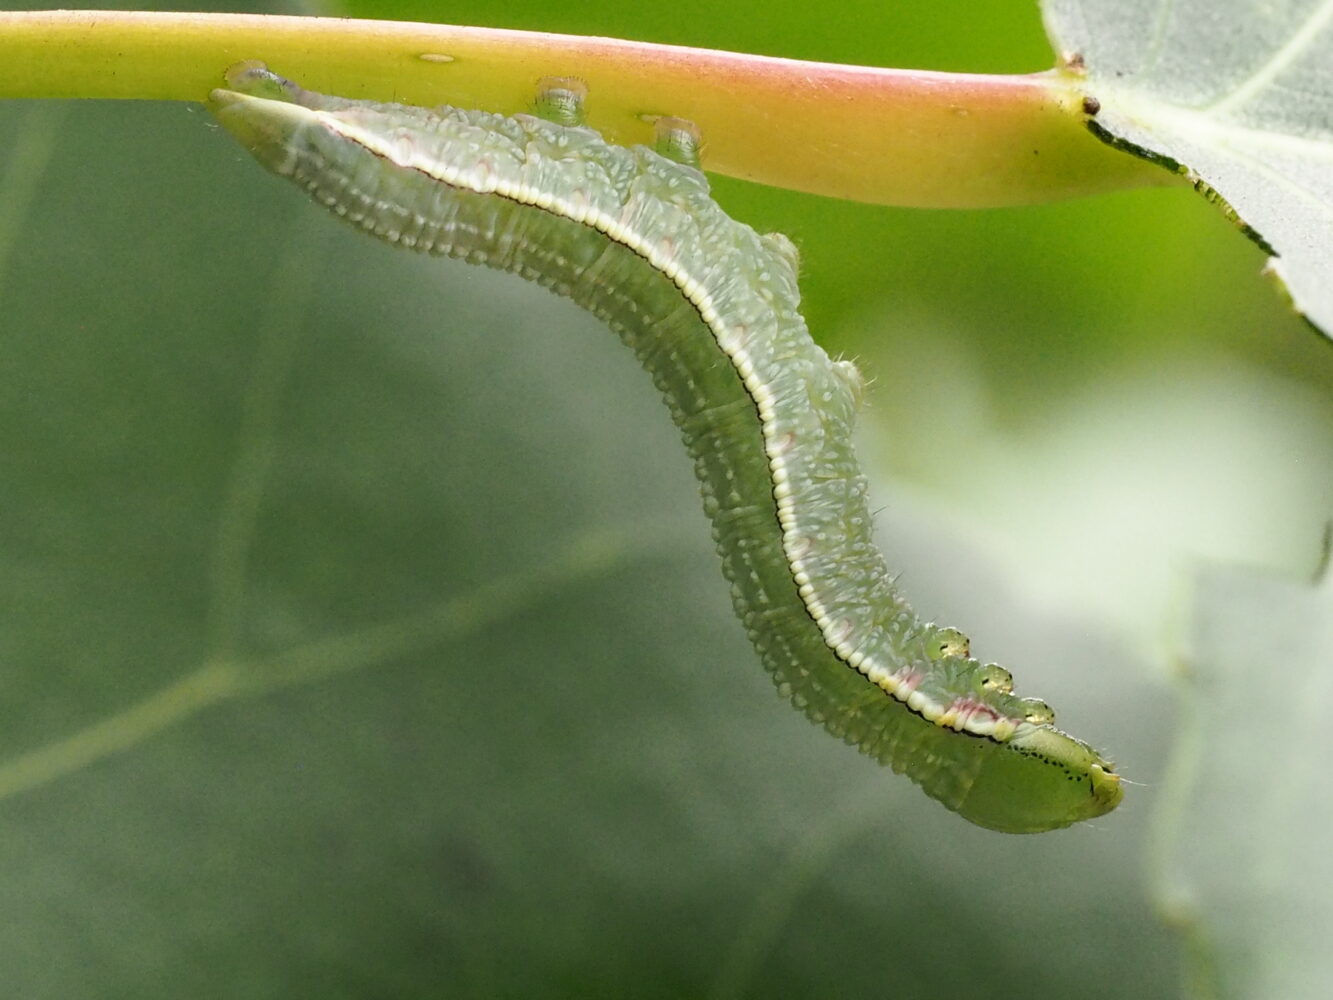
[{"x": 480, "y": 178}]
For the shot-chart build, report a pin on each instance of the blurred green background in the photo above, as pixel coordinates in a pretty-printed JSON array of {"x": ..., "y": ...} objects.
[{"x": 361, "y": 634}]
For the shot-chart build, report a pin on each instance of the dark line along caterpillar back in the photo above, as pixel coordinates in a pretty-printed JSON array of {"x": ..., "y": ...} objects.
[{"x": 634, "y": 237}]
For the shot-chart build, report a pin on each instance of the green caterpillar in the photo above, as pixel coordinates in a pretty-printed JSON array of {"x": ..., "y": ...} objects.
[{"x": 711, "y": 310}]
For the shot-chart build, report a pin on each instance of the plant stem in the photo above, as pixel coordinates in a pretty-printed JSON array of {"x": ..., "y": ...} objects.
[{"x": 938, "y": 140}]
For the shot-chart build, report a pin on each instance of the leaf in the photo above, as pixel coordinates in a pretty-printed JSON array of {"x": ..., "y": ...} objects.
[
  {"x": 1237, "y": 96},
  {"x": 361, "y": 635},
  {"x": 1246, "y": 814}
]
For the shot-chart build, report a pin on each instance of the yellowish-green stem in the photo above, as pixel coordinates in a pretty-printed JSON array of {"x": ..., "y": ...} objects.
[{"x": 940, "y": 140}]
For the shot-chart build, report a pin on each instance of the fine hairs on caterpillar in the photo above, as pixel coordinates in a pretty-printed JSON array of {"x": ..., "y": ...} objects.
[{"x": 711, "y": 310}]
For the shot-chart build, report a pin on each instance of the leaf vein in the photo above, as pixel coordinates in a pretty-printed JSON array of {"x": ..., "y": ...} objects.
[{"x": 1279, "y": 61}]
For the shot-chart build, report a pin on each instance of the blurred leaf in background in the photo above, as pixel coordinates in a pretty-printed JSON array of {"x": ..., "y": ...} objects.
[
  {"x": 1243, "y": 864},
  {"x": 362, "y": 635}
]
